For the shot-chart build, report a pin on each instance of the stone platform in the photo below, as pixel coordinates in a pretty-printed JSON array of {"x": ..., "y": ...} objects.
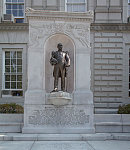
[
  {"x": 104, "y": 123},
  {"x": 65, "y": 145},
  {"x": 64, "y": 137}
]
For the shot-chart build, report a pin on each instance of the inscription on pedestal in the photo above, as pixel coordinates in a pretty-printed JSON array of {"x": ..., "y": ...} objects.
[{"x": 59, "y": 117}]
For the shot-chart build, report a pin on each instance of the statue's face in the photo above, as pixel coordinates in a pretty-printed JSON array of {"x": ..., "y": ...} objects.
[{"x": 60, "y": 46}]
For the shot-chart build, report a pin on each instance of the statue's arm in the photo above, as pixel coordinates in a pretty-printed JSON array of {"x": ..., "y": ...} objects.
[
  {"x": 67, "y": 59},
  {"x": 53, "y": 61}
]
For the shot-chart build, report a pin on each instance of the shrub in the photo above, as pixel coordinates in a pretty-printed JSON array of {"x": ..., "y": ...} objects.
[
  {"x": 125, "y": 109},
  {"x": 11, "y": 108}
]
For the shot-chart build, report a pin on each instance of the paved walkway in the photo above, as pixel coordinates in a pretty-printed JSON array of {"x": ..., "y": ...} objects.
[
  {"x": 64, "y": 137},
  {"x": 98, "y": 141},
  {"x": 65, "y": 145}
]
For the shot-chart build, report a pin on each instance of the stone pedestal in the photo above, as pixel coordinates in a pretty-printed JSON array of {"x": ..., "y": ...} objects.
[
  {"x": 58, "y": 112},
  {"x": 63, "y": 119},
  {"x": 59, "y": 98}
]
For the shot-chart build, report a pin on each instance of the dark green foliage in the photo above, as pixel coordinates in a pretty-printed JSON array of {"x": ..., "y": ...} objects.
[
  {"x": 125, "y": 109},
  {"x": 11, "y": 108}
]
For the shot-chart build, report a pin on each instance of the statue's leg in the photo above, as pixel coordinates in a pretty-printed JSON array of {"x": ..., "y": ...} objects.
[
  {"x": 56, "y": 77},
  {"x": 55, "y": 83},
  {"x": 63, "y": 80}
]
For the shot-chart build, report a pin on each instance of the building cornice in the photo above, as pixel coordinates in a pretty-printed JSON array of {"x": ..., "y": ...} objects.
[
  {"x": 122, "y": 27},
  {"x": 59, "y": 15},
  {"x": 14, "y": 26},
  {"x": 110, "y": 27}
]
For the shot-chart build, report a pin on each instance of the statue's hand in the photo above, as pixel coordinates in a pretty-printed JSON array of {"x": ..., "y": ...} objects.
[
  {"x": 67, "y": 65},
  {"x": 53, "y": 61},
  {"x": 67, "y": 62}
]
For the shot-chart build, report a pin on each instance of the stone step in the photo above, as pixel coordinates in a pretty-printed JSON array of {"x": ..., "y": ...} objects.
[
  {"x": 109, "y": 123},
  {"x": 11, "y": 118},
  {"x": 105, "y": 111},
  {"x": 64, "y": 137},
  {"x": 110, "y": 127},
  {"x": 100, "y": 127},
  {"x": 11, "y": 122},
  {"x": 10, "y": 127}
]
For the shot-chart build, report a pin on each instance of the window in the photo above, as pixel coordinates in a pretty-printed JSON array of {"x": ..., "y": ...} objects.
[
  {"x": 129, "y": 73},
  {"x": 15, "y": 7},
  {"x": 12, "y": 72},
  {"x": 76, "y": 5},
  {"x": 128, "y": 7}
]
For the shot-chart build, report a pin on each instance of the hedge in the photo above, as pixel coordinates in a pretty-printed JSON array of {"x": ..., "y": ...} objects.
[
  {"x": 11, "y": 108},
  {"x": 125, "y": 109}
]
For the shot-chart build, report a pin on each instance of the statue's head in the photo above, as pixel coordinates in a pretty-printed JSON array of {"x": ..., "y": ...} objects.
[{"x": 59, "y": 46}]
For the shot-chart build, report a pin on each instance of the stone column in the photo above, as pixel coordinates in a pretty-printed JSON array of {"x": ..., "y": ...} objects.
[{"x": 82, "y": 68}]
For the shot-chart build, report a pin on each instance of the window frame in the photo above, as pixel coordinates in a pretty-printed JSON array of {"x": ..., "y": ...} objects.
[
  {"x": 16, "y": 17},
  {"x": 76, "y": 3},
  {"x": 3, "y": 70},
  {"x": 129, "y": 75},
  {"x": 128, "y": 8}
]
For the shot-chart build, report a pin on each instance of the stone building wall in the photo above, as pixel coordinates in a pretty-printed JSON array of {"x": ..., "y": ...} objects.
[
  {"x": 110, "y": 42},
  {"x": 110, "y": 11},
  {"x": 106, "y": 11},
  {"x": 44, "y": 4},
  {"x": 13, "y": 36},
  {"x": 110, "y": 73},
  {"x": 1, "y": 10}
]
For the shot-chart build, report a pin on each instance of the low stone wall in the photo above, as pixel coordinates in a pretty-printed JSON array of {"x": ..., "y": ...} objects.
[
  {"x": 104, "y": 123},
  {"x": 11, "y": 122},
  {"x": 112, "y": 123},
  {"x": 11, "y": 118}
]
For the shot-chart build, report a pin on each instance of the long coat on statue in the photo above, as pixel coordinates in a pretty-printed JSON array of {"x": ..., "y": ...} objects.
[{"x": 60, "y": 60}]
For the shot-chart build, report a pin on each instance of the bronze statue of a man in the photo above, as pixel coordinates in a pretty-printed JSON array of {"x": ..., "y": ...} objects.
[{"x": 60, "y": 60}]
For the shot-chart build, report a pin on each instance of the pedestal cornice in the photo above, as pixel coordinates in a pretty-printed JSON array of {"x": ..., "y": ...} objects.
[{"x": 59, "y": 15}]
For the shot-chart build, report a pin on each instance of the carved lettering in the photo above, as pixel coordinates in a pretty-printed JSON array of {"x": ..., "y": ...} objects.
[{"x": 59, "y": 117}]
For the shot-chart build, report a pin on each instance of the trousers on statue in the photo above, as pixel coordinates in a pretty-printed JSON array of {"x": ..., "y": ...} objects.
[{"x": 59, "y": 71}]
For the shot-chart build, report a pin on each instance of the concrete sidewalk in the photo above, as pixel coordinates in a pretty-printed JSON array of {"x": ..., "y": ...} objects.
[
  {"x": 98, "y": 141},
  {"x": 65, "y": 145},
  {"x": 64, "y": 137}
]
